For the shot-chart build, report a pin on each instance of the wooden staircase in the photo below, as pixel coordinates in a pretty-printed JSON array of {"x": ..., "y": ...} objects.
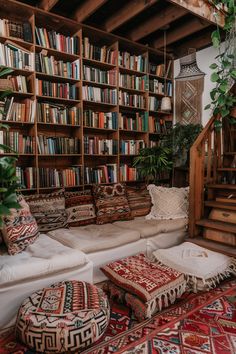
[{"x": 213, "y": 188}]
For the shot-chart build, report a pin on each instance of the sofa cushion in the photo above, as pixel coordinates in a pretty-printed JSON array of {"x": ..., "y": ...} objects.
[
  {"x": 148, "y": 228},
  {"x": 48, "y": 210},
  {"x": 111, "y": 203},
  {"x": 80, "y": 208},
  {"x": 43, "y": 257},
  {"x": 139, "y": 200},
  {"x": 92, "y": 238},
  {"x": 168, "y": 203},
  {"x": 19, "y": 228}
]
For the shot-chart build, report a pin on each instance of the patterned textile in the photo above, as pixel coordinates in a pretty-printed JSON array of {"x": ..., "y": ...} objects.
[
  {"x": 139, "y": 200},
  {"x": 20, "y": 228},
  {"x": 125, "y": 335},
  {"x": 168, "y": 203},
  {"x": 48, "y": 210},
  {"x": 155, "y": 284},
  {"x": 67, "y": 316},
  {"x": 111, "y": 203},
  {"x": 80, "y": 208},
  {"x": 203, "y": 268}
]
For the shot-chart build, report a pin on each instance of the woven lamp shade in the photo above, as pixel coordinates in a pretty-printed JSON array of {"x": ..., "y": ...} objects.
[{"x": 189, "y": 69}]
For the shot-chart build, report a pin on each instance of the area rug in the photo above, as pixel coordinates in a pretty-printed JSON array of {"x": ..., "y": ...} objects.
[{"x": 197, "y": 324}]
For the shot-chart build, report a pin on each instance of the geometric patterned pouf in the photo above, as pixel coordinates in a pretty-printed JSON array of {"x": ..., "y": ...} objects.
[{"x": 66, "y": 316}]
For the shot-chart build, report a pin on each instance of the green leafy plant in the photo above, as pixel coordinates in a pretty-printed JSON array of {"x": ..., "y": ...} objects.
[
  {"x": 180, "y": 140},
  {"x": 151, "y": 162},
  {"x": 8, "y": 180},
  {"x": 224, "y": 70}
]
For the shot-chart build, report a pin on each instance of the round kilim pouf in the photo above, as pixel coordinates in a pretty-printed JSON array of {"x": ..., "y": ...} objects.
[{"x": 66, "y": 316}]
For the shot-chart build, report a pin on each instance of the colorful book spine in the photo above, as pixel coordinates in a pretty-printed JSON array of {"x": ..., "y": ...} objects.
[
  {"x": 17, "y": 142},
  {"x": 128, "y": 173},
  {"x": 26, "y": 177},
  {"x": 99, "y": 76},
  {"x": 98, "y": 53},
  {"x": 131, "y": 100},
  {"x": 93, "y": 145},
  {"x": 57, "y": 114},
  {"x": 96, "y": 94},
  {"x": 102, "y": 120},
  {"x": 14, "y": 56},
  {"x": 56, "y": 89},
  {"x": 57, "y": 145},
  {"x": 52, "y": 177},
  {"x": 134, "y": 122},
  {"x": 132, "y": 62},
  {"x": 131, "y": 147},
  {"x": 133, "y": 82},
  {"x": 18, "y": 111},
  {"x": 100, "y": 174}
]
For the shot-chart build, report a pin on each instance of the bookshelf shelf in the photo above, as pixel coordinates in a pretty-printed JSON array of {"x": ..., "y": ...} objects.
[
  {"x": 42, "y": 114},
  {"x": 56, "y": 77}
]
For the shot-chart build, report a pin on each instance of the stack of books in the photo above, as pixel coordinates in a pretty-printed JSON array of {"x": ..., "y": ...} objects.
[
  {"x": 51, "y": 177},
  {"x": 133, "y": 62},
  {"x": 96, "y": 94},
  {"x": 101, "y": 174},
  {"x": 15, "y": 56},
  {"x": 94, "y": 52},
  {"x": 102, "y": 120},
  {"x": 58, "y": 114},
  {"x": 138, "y": 122},
  {"x": 96, "y": 145},
  {"x": 19, "y": 83},
  {"x": 19, "y": 143},
  {"x": 57, "y": 145},
  {"x": 128, "y": 173},
  {"x": 99, "y": 76},
  {"x": 17, "y": 111},
  {"x": 26, "y": 177},
  {"x": 16, "y": 29},
  {"x": 160, "y": 70},
  {"x": 56, "y": 89},
  {"x": 133, "y": 82},
  {"x": 131, "y": 100},
  {"x": 156, "y": 86},
  {"x": 131, "y": 147}
]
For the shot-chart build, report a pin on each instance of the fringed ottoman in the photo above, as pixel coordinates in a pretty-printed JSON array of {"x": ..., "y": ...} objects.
[
  {"x": 144, "y": 285},
  {"x": 67, "y": 316}
]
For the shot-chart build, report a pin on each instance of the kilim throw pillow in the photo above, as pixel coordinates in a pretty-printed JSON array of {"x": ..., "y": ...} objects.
[
  {"x": 155, "y": 284},
  {"x": 111, "y": 203},
  {"x": 139, "y": 200},
  {"x": 48, "y": 210},
  {"x": 80, "y": 208},
  {"x": 168, "y": 203},
  {"x": 20, "y": 228}
]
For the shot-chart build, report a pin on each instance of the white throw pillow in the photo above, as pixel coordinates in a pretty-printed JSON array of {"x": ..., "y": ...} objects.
[
  {"x": 168, "y": 203},
  {"x": 203, "y": 268}
]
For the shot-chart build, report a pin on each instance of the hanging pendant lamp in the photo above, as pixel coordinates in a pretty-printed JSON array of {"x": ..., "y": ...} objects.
[{"x": 166, "y": 101}]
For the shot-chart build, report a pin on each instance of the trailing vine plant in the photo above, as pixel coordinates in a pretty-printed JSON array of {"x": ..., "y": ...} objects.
[{"x": 224, "y": 68}]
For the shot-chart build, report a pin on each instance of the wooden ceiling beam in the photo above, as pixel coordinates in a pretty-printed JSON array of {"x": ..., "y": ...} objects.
[
  {"x": 127, "y": 12},
  {"x": 157, "y": 21},
  {"x": 87, "y": 8},
  {"x": 199, "y": 42},
  {"x": 180, "y": 32},
  {"x": 47, "y": 5}
]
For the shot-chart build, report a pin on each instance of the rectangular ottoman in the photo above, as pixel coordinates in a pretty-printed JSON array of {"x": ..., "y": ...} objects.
[{"x": 154, "y": 285}]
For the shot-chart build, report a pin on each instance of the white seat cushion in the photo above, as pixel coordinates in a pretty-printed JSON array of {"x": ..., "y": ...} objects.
[
  {"x": 148, "y": 228},
  {"x": 92, "y": 238},
  {"x": 43, "y": 257}
]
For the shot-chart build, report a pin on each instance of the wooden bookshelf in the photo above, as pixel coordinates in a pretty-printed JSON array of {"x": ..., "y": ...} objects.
[{"x": 102, "y": 52}]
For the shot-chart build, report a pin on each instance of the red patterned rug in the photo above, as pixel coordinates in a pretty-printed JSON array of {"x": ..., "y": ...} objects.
[{"x": 200, "y": 323}]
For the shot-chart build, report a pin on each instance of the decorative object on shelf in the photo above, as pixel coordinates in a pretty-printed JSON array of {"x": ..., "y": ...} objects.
[
  {"x": 180, "y": 140},
  {"x": 151, "y": 162},
  {"x": 189, "y": 89},
  {"x": 166, "y": 101}
]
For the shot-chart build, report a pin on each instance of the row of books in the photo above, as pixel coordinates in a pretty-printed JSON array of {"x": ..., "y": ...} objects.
[
  {"x": 26, "y": 177},
  {"x": 133, "y": 62},
  {"x": 17, "y": 111},
  {"x": 169, "y": 89},
  {"x": 161, "y": 70},
  {"x": 51, "y": 66},
  {"x": 101, "y": 174},
  {"x": 157, "y": 125},
  {"x": 16, "y": 29},
  {"x": 94, "y": 145},
  {"x": 128, "y": 173},
  {"x": 53, "y": 40},
  {"x": 96, "y": 94},
  {"x": 131, "y": 147},
  {"x": 18, "y": 143},
  {"x": 154, "y": 103},
  {"x": 156, "y": 86},
  {"x": 138, "y": 122},
  {"x": 103, "y": 120},
  {"x": 56, "y": 89},
  {"x": 19, "y": 83},
  {"x": 57, "y": 145},
  {"x": 52, "y": 177},
  {"x": 57, "y": 114},
  {"x": 133, "y": 82},
  {"x": 14, "y": 56},
  {"x": 95, "y": 52},
  {"x": 131, "y": 100},
  {"x": 99, "y": 76}
]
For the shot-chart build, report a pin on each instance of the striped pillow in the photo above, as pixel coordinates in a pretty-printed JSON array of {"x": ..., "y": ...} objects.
[{"x": 139, "y": 200}]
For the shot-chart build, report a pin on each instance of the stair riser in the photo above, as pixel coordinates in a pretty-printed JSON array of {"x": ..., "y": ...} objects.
[
  {"x": 223, "y": 215},
  {"x": 220, "y": 236}
]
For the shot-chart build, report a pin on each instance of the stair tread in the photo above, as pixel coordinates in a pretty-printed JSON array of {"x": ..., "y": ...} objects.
[
  {"x": 214, "y": 246},
  {"x": 217, "y": 225},
  {"x": 222, "y": 186},
  {"x": 220, "y": 205}
]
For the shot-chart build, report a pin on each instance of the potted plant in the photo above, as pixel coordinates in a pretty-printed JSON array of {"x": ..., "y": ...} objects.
[
  {"x": 8, "y": 179},
  {"x": 180, "y": 140},
  {"x": 153, "y": 161}
]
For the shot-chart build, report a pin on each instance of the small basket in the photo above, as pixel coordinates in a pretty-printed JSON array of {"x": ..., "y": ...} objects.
[{"x": 5, "y": 84}]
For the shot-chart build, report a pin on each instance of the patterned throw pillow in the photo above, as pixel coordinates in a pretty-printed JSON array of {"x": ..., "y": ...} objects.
[
  {"x": 151, "y": 282},
  {"x": 111, "y": 203},
  {"x": 80, "y": 208},
  {"x": 20, "y": 228},
  {"x": 139, "y": 200},
  {"x": 168, "y": 203},
  {"x": 48, "y": 210}
]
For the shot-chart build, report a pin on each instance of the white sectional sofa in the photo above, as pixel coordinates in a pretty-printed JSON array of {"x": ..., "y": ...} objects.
[{"x": 78, "y": 253}]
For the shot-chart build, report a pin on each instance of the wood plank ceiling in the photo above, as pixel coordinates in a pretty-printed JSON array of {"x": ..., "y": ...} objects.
[{"x": 139, "y": 20}]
